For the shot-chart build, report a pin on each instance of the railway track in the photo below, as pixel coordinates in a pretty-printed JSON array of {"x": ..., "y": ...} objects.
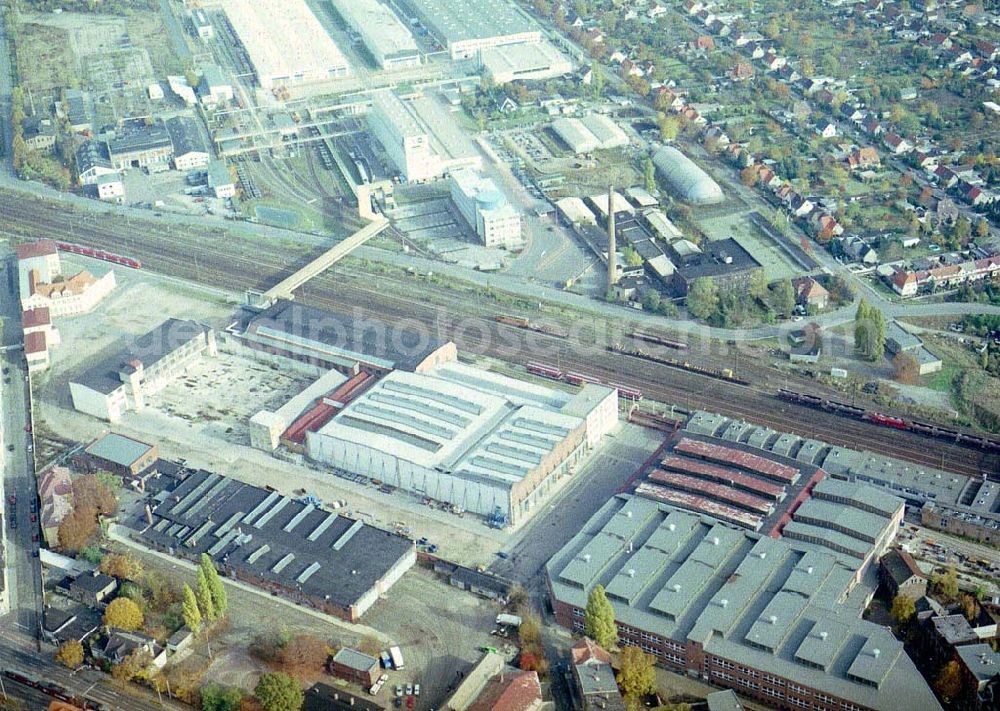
[{"x": 240, "y": 264}]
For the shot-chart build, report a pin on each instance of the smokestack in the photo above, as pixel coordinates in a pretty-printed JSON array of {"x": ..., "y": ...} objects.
[{"x": 612, "y": 246}]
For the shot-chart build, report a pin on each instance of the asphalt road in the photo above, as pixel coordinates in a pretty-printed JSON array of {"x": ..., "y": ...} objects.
[{"x": 24, "y": 577}]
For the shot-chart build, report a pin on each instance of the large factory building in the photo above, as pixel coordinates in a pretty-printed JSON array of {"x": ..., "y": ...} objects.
[
  {"x": 285, "y": 42},
  {"x": 466, "y": 26},
  {"x": 776, "y": 619},
  {"x": 327, "y": 340},
  {"x": 480, "y": 441},
  {"x": 386, "y": 38},
  {"x": 421, "y": 138}
]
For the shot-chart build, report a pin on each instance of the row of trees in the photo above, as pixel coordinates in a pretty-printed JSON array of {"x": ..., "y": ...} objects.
[
  {"x": 210, "y": 602},
  {"x": 729, "y": 308}
]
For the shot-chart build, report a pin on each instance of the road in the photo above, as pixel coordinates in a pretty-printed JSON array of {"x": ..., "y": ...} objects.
[{"x": 24, "y": 576}]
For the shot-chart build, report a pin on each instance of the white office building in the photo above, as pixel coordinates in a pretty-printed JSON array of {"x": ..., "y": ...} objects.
[
  {"x": 420, "y": 136},
  {"x": 486, "y": 209}
]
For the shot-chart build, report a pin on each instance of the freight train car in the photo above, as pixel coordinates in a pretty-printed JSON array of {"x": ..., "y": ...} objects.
[{"x": 897, "y": 423}]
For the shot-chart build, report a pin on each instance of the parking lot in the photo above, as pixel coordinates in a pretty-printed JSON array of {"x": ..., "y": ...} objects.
[{"x": 440, "y": 630}]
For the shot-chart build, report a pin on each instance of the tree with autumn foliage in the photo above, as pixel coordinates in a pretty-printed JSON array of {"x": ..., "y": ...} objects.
[
  {"x": 122, "y": 565},
  {"x": 123, "y": 614},
  {"x": 70, "y": 654}
]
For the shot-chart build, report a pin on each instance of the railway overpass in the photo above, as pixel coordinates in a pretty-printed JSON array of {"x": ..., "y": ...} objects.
[{"x": 285, "y": 288}]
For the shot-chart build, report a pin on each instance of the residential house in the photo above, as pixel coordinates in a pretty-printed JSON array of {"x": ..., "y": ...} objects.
[
  {"x": 62, "y": 624},
  {"x": 826, "y": 128},
  {"x": 742, "y": 71},
  {"x": 704, "y": 43},
  {"x": 36, "y": 351},
  {"x": 595, "y": 687},
  {"x": 858, "y": 249},
  {"x": 55, "y": 491},
  {"x": 899, "y": 574},
  {"x": 946, "y": 177},
  {"x": 826, "y": 226},
  {"x": 810, "y": 293},
  {"x": 39, "y": 133},
  {"x": 864, "y": 158},
  {"x": 897, "y": 144},
  {"x": 119, "y": 644},
  {"x": 93, "y": 589},
  {"x": 872, "y": 125},
  {"x": 801, "y": 206},
  {"x": 511, "y": 690}
]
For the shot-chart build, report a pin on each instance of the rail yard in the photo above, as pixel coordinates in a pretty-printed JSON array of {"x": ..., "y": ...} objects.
[{"x": 216, "y": 258}]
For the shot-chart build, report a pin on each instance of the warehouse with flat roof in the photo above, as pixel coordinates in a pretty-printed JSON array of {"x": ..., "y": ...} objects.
[
  {"x": 144, "y": 366},
  {"x": 291, "y": 331},
  {"x": 775, "y": 619},
  {"x": 478, "y": 440},
  {"x": 387, "y": 39},
  {"x": 334, "y": 563},
  {"x": 286, "y": 44},
  {"x": 465, "y": 27},
  {"x": 533, "y": 61}
]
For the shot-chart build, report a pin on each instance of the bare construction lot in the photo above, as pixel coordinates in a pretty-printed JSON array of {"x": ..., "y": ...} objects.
[{"x": 221, "y": 394}]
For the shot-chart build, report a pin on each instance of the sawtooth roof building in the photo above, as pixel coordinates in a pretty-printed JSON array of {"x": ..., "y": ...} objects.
[
  {"x": 775, "y": 618},
  {"x": 968, "y": 506},
  {"x": 478, "y": 440},
  {"x": 289, "y": 330},
  {"x": 465, "y": 27},
  {"x": 332, "y": 562}
]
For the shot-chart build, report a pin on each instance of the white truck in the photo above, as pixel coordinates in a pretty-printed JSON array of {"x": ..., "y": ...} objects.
[
  {"x": 397, "y": 658},
  {"x": 509, "y": 620}
]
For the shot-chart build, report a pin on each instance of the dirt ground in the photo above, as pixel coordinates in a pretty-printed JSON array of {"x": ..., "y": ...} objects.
[{"x": 248, "y": 387}]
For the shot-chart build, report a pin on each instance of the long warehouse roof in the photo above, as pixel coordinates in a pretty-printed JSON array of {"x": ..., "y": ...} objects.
[
  {"x": 284, "y": 38},
  {"x": 383, "y": 33},
  {"x": 460, "y": 20}
]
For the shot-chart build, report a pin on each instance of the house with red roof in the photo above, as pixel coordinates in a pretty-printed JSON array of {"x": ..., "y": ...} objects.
[{"x": 511, "y": 690}]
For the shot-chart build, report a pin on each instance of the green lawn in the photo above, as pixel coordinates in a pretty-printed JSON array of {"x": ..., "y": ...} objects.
[{"x": 943, "y": 380}]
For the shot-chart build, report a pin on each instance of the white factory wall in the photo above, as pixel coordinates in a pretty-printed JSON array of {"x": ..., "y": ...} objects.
[{"x": 473, "y": 496}]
